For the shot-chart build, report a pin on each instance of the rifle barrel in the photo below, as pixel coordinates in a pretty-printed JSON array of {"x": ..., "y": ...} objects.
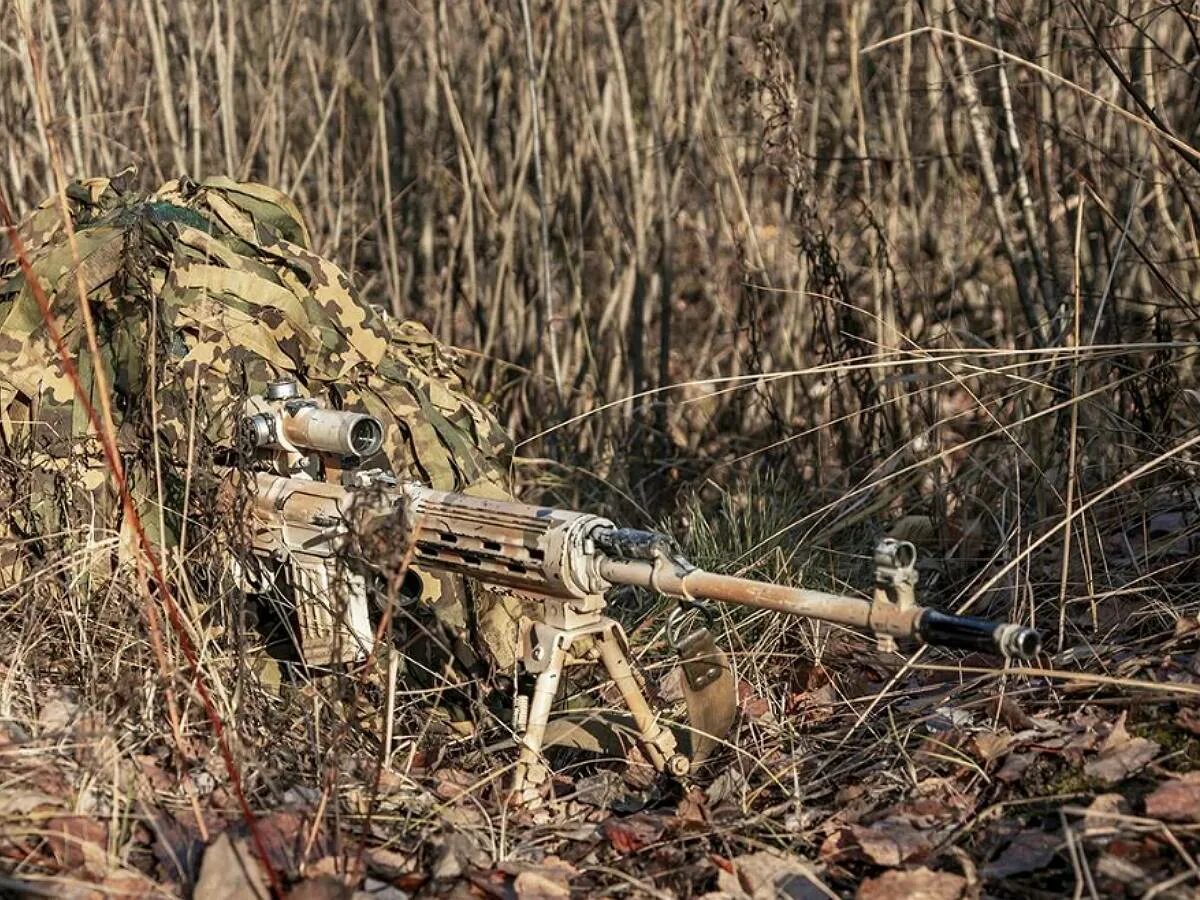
[
  {"x": 928, "y": 625},
  {"x": 699, "y": 584}
]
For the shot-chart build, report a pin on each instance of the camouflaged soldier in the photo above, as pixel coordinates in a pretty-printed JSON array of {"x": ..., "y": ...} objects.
[{"x": 202, "y": 293}]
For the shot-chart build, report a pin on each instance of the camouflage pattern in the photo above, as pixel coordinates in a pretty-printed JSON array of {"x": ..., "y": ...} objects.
[{"x": 211, "y": 288}]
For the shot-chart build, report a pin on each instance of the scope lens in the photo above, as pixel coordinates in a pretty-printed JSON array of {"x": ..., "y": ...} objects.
[
  {"x": 366, "y": 437},
  {"x": 255, "y": 431}
]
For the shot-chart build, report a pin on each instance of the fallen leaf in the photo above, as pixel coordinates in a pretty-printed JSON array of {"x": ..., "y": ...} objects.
[
  {"x": 753, "y": 706},
  {"x": 1008, "y": 712},
  {"x": 1099, "y": 818},
  {"x": 850, "y": 792},
  {"x": 1123, "y": 872},
  {"x": 769, "y": 874},
  {"x": 551, "y": 880},
  {"x": 1015, "y": 766},
  {"x": 1029, "y": 851},
  {"x": 633, "y": 832},
  {"x": 389, "y": 863},
  {"x": 346, "y": 871},
  {"x": 670, "y": 686},
  {"x": 948, "y": 718},
  {"x": 55, "y": 715},
  {"x": 929, "y": 812},
  {"x": 1188, "y": 718},
  {"x": 286, "y": 837},
  {"x": 916, "y": 529},
  {"x": 693, "y": 808},
  {"x": 374, "y": 889},
  {"x": 1177, "y": 800},
  {"x": 913, "y": 884},
  {"x": 128, "y": 885},
  {"x": 1120, "y": 755},
  {"x": 21, "y": 803},
  {"x": 324, "y": 887},
  {"x": 229, "y": 871},
  {"x": 729, "y": 783},
  {"x": 601, "y": 790},
  {"x": 837, "y": 844},
  {"x": 638, "y": 773},
  {"x": 457, "y": 852},
  {"x": 533, "y": 885},
  {"x": 1130, "y": 867},
  {"x": 452, "y": 783},
  {"x": 891, "y": 842},
  {"x": 79, "y": 841},
  {"x": 177, "y": 846},
  {"x": 991, "y": 745}
]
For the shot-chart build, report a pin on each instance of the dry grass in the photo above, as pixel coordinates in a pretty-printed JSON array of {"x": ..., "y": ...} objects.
[{"x": 783, "y": 275}]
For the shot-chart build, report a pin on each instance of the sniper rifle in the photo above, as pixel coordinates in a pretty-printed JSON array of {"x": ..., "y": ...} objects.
[{"x": 312, "y": 496}]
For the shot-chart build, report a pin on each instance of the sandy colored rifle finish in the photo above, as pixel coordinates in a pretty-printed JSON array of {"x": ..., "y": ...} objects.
[{"x": 568, "y": 560}]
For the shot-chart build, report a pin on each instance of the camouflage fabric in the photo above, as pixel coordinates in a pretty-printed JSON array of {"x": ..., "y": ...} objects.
[{"x": 201, "y": 293}]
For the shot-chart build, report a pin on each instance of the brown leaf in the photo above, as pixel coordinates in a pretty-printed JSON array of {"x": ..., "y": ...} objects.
[
  {"x": 549, "y": 881},
  {"x": 693, "y": 808},
  {"x": 154, "y": 773},
  {"x": 753, "y": 706},
  {"x": 1120, "y": 755},
  {"x": 770, "y": 874},
  {"x": 1014, "y": 767},
  {"x": 1029, "y": 851},
  {"x": 638, "y": 773},
  {"x": 346, "y": 871},
  {"x": 1188, "y": 718},
  {"x": 229, "y": 871},
  {"x": 1177, "y": 800},
  {"x": 1008, "y": 712},
  {"x": 79, "y": 841},
  {"x": 916, "y": 529},
  {"x": 633, "y": 832},
  {"x": 1129, "y": 867},
  {"x": 730, "y": 783},
  {"x": 453, "y": 783},
  {"x": 670, "y": 686},
  {"x": 389, "y": 863},
  {"x": 23, "y": 802},
  {"x": 457, "y": 852},
  {"x": 914, "y": 884},
  {"x": 56, "y": 715},
  {"x": 324, "y": 887},
  {"x": 176, "y": 846},
  {"x": 533, "y": 885},
  {"x": 285, "y": 836},
  {"x": 991, "y": 745},
  {"x": 891, "y": 842},
  {"x": 129, "y": 885},
  {"x": 1097, "y": 820},
  {"x": 837, "y": 844}
]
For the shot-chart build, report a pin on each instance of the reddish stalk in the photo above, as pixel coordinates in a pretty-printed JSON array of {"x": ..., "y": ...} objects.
[{"x": 174, "y": 616}]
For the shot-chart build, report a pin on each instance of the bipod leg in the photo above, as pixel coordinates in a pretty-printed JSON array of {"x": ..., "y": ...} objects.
[
  {"x": 532, "y": 773},
  {"x": 657, "y": 742}
]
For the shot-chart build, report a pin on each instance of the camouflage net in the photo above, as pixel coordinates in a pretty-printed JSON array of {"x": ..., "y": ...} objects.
[{"x": 201, "y": 293}]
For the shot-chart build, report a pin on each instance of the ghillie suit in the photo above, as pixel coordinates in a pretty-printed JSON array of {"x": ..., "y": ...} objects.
[{"x": 201, "y": 293}]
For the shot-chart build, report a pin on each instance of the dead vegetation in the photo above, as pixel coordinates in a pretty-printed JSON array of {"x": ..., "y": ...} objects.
[{"x": 782, "y": 277}]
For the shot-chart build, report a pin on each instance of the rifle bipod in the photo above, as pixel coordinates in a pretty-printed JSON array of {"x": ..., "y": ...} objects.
[{"x": 576, "y": 631}]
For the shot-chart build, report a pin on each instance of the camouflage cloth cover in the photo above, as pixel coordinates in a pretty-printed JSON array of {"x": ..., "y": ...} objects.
[{"x": 223, "y": 272}]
